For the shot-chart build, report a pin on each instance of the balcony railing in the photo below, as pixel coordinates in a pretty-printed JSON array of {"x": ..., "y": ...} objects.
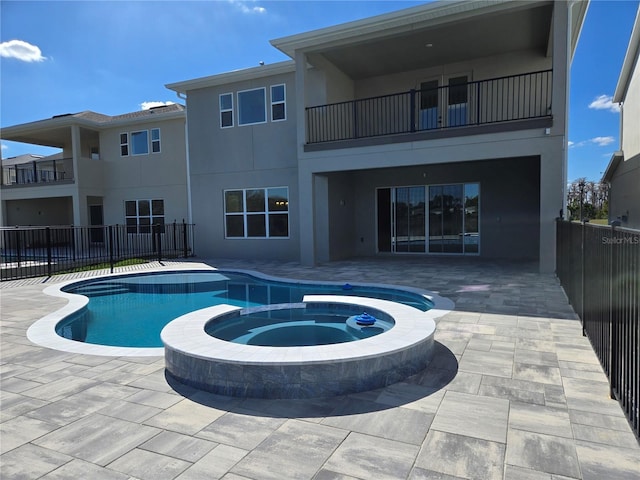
[
  {"x": 504, "y": 99},
  {"x": 43, "y": 171}
]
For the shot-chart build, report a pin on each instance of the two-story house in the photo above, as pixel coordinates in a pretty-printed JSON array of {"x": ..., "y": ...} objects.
[
  {"x": 124, "y": 169},
  {"x": 623, "y": 171},
  {"x": 439, "y": 129}
]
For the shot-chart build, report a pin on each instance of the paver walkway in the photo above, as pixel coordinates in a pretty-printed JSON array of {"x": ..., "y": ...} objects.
[{"x": 514, "y": 392}]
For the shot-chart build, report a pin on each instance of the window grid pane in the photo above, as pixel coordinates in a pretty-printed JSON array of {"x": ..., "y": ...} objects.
[
  {"x": 278, "y": 110},
  {"x": 251, "y": 107},
  {"x": 140, "y": 142},
  {"x": 248, "y": 213},
  {"x": 141, "y": 214},
  {"x": 226, "y": 110},
  {"x": 124, "y": 144}
]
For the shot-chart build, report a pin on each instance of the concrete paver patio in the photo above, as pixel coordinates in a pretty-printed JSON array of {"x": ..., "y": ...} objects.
[{"x": 514, "y": 392}]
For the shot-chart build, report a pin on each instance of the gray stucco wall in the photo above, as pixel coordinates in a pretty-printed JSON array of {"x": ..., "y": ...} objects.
[
  {"x": 39, "y": 211},
  {"x": 509, "y": 204},
  {"x": 624, "y": 196},
  {"x": 249, "y": 156}
]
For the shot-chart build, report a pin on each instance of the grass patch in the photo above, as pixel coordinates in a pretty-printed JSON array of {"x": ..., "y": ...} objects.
[
  {"x": 599, "y": 221},
  {"x": 100, "y": 266}
]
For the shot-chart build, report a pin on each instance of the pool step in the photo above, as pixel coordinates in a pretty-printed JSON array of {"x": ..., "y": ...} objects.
[{"x": 101, "y": 290}]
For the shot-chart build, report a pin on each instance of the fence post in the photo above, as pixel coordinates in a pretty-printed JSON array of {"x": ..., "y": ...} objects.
[
  {"x": 156, "y": 229},
  {"x": 612, "y": 316},
  {"x": 184, "y": 238},
  {"x": 18, "y": 247},
  {"x": 48, "y": 239},
  {"x": 73, "y": 242},
  {"x": 111, "y": 262},
  {"x": 582, "y": 262},
  {"x": 175, "y": 247}
]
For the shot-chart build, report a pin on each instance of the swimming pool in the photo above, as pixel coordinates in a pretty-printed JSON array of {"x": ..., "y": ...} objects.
[{"x": 132, "y": 310}]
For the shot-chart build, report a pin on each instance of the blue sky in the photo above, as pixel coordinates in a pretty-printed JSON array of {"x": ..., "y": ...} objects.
[{"x": 113, "y": 57}]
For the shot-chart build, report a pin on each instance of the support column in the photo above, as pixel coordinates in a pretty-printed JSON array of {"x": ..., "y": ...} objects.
[
  {"x": 321, "y": 216},
  {"x": 306, "y": 220},
  {"x": 551, "y": 201},
  {"x": 78, "y": 208},
  {"x": 553, "y": 158}
]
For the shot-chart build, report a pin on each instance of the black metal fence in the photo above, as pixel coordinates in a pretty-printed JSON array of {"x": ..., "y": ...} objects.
[
  {"x": 43, "y": 251},
  {"x": 515, "y": 97},
  {"x": 599, "y": 269}
]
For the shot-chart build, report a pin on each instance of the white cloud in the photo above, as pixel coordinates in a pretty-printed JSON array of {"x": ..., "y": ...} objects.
[
  {"x": 20, "y": 50},
  {"x": 245, "y": 6},
  {"x": 602, "y": 141},
  {"x": 148, "y": 105},
  {"x": 599, "y": 141},
  {"x": 604, "y": 102}
]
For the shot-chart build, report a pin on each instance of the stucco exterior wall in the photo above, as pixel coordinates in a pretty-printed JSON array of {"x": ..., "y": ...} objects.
[
  {"x": 39, "y": 211},
  {"x": 631, "y": 116},
  {"x": 243, "y": 156},
  {"x": 137, "y": 177},
  {"x": 478, "y": 69}
]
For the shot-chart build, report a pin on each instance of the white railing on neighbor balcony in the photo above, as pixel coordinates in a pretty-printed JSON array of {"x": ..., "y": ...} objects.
[{"x": 38, "y": 171}]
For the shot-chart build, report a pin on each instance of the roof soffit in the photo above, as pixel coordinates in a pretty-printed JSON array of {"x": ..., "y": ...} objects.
[{"x": 525, "y": 27}]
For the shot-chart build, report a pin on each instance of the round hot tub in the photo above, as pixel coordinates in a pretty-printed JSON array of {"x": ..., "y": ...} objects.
[
  {"x": 200, "y": 350},
  {"x": 298, "y": 325}
]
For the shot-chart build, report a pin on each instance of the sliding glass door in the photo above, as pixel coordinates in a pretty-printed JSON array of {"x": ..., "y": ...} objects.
[
  {"x": 451, "y": 226},
  {"x": 453, "y": 218}
]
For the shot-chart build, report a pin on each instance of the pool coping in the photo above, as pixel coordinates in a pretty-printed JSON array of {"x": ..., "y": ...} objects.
[
  {"x": 42, "y": 332},
  {"x": 202, "y": 361},
  {"x": 187, "y": 334}
]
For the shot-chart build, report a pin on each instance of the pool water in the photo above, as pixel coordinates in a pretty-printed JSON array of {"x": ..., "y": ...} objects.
[
  {"x": 131, "y": 311},
  {"x": 295, "y": 327}
]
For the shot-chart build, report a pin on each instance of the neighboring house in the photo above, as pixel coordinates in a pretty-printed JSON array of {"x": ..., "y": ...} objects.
[
  {"x": 623, "y": 172},
  {"x": 125, "y": 169},
  {"x": 439, "y": 129}
]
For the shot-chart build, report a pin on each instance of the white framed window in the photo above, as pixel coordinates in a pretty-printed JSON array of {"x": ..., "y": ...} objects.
[
  {"x": 140, "y": 142},
  {"x": 226, "y": 110},
  {"x": 257, "y": 213},
  {"x": 155, "y": 140},
  {"x": 278, "y": 103},
  {"x": 124, "y": 144},
  {"x": 140, "y": 215},
  {"x": 252, "y": 106}
]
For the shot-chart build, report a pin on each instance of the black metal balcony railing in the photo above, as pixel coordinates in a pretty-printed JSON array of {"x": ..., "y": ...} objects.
[
  {"x": 504, "y": 99},
  {"x": 43, "y": 171}
]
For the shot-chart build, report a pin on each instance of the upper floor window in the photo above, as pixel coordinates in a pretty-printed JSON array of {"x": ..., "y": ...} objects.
[
  {"x": 140, "y": 142},
  {"x": 155, "y": 140},
  {"x": 257, "y": 212},
  {"x": 252, "y": 107},
  {"x": 124, "y": 144},
  {"x": 278, "y": 110},
  {"x": 226, "y": 110},
  {"x": 137, "y": 143}
]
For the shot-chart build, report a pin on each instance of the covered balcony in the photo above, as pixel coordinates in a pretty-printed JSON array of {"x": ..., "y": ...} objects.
[
  {"x": 39, "y": 171},
  {"x": 513, "y": 99}
]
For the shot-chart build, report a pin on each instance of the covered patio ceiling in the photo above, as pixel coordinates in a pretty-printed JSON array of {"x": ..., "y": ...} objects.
[{"x": 527, "y": 26}]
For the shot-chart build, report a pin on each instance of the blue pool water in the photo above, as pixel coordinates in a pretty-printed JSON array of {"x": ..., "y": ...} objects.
[
  {"x": 131, "y": 311},
  {"x": 295, "y": 327}
]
